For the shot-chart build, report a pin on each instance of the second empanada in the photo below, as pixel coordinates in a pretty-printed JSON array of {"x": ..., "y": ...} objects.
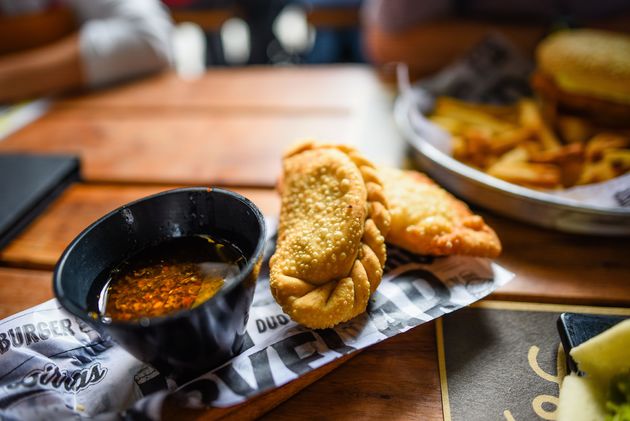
[
  {"x": 425, "y": 219},
  {"x": 330, "y": 250}
]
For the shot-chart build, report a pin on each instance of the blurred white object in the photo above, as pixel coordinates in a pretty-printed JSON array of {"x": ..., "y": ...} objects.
[
  {"x": 189, "y": 50},
  {"x": 14, "y": 117},
  {"x": 118, "y": 39},
  {"x": 293, "y": 30},
  {"x": 235, "y": 41}
]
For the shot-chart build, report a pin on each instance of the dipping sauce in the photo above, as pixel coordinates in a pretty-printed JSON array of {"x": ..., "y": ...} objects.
[{"x": 180, "y": 273}]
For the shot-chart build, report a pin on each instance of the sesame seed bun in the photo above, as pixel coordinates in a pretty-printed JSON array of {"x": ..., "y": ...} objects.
[{"x": 588, "y": 62}]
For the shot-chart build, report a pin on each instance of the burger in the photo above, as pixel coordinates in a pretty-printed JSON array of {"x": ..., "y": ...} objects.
[{"x": 585, "y": 73}]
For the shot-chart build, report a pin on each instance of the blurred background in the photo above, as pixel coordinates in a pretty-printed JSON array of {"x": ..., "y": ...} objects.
[
  {"x": 279, "y": 32},
  {"x": 426, "y": 35},
  {"x": 56, "y": 46}
]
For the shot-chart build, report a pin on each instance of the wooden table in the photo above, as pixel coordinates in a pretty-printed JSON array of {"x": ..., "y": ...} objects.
[{"x": 229, "y": 128}]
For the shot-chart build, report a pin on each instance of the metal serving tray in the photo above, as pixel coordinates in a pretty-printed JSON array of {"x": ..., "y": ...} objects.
[{"x": 505, "y": 198}]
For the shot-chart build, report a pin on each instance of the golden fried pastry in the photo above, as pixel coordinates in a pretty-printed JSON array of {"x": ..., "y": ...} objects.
[
  {"x": 331, "y": 248},
  {"x": 426, "y": 219}
]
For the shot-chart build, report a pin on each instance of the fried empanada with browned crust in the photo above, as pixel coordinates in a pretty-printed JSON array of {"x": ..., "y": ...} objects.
[
  {"x": 425, "y": 219},
  {"x": 330, "y": 250}
]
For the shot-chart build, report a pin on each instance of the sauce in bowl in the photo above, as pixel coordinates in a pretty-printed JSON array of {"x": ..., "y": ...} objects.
[{"x": 180, "y": 273}]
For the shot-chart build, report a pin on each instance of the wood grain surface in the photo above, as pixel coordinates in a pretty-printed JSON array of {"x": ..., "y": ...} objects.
[
  {"x": 394, "y": 380},
  {"x": 255, "y": 407},
  {"x": 43, "y": 241},
  {"x": 316, "y": 88},
  {"x": 21, "y": 289},
  {"x": 239, "y": 149},
  {"x": 561, "y": 268},
  {"x": 401, "y": 373},
  {"x": 228, "y": 127}
]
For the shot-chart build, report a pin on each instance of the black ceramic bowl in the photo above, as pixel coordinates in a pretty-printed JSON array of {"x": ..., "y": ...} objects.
[{"x": 187, "y": 342}]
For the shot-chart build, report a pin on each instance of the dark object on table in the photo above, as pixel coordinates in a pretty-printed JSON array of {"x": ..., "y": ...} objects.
[
  {"x": 187, "y": 342},
  {"x": 575, "y": 329},
  {"x": 488, "y": 356},
  {"x": 337, "y": 31},
  {"x": 493, "y": 72},
  {"x": 29, "y": 183}
]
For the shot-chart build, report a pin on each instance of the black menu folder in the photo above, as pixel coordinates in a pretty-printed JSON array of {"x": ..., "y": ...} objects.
[
  {"x": 575, "y": 329},
  {"x": 28, "y": 183}
]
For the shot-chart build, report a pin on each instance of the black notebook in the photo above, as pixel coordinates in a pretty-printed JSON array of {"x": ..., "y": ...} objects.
[
  {"x": 28, "y": 183},
  {"x": 575, "y": 329}
]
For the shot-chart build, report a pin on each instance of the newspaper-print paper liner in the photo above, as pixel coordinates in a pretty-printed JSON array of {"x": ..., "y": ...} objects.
[{"x": 53, "y": 365}]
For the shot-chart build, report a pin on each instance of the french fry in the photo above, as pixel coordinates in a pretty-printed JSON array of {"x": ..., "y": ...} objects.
[
  {"x": 596, "y": 172},
  {"x": 570, "y": 171},
  {"x": 569, "y": 159},
  {"x": 619, "y": 159},
  {"x": 509, "y": 139},
  {"x": 543, "y": 176},
  {"x": 519, "y": 154},
  {"x": 574, "y": 129},
  {"x": 533, "y": 147},
  {"x": 459, "y": 148},
  {"x": 504, "y": 112},
  {"x": 478, "y": 145},
  {"x": 548, "y": 138},
  {"x": 572, "y": 151},
  {"x": 516, "y": 144},
  {"x": 529, "y": 115},
  {"x": 470, "y": 115},
  {"x": 602, "y": 142},
  {"x": 531, "y": 118},
  {"x": 449, "y": 124}
]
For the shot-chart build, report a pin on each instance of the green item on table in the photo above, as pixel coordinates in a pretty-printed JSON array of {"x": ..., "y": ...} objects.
[
  {"x": 618, "y": 403},
  {"x": 603, "y": 393}
]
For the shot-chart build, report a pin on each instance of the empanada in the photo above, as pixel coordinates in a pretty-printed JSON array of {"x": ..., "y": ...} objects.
[
  {"x": 425, "y": 219},
  {"x": 330, "y": 250}
]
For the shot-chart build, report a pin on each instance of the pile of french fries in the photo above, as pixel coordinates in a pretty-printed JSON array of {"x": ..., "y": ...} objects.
[{"x": 515, "y": 144}]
